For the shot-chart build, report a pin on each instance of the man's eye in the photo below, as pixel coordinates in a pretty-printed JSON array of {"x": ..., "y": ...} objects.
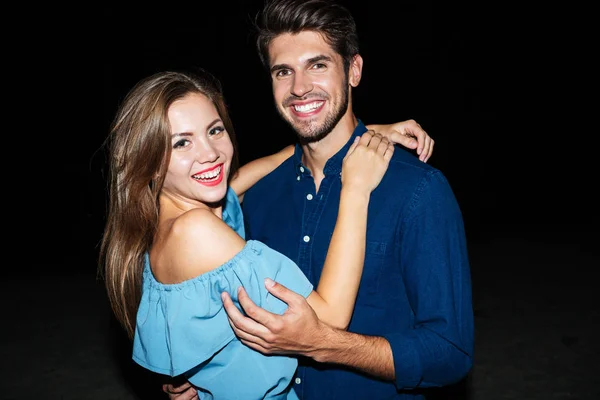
[
  {"x": 319, "y": 66},
  {"x": 282, "y": 72}
]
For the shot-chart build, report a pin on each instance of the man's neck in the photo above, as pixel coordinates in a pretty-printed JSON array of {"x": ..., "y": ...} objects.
[{"x": 316, "y": 154}]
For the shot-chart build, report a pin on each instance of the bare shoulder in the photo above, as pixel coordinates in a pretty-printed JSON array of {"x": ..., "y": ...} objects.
[{"x": 197, "y": 242}]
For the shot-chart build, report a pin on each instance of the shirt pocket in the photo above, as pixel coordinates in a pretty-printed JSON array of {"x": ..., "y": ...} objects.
[{"x": 369, "y": 293}]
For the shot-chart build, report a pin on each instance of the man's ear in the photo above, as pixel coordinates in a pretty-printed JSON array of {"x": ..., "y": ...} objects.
[{"x": 355, "y": 70}]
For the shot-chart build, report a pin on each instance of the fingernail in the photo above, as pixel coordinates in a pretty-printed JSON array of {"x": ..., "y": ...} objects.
[{"x": 269, "y": 282}]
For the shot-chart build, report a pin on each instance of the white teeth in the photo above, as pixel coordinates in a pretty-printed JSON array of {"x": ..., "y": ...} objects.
[
  {"x": 308, "y": 107},
  {"x": 208, "y": 175}
]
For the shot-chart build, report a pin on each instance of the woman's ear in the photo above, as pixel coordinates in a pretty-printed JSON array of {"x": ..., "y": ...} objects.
[{"x": 355, "y": 70}]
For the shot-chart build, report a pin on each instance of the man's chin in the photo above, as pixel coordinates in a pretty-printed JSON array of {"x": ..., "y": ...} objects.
[{"x": 305, "y": 132}]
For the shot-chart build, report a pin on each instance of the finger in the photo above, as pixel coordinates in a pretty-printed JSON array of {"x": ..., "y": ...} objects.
[
  {"x": 422, "y": 138},
  {"x": 387, "y": 156},
  {"x": 245, "y": 336},
  {"x": 230, "y": 308},
  {"x": 426, "y": 149},
  {"x": 241, "y": 324},
  {"x": 247, "y": 324},
  {"x": 366, "y": 138},
  {"x": 383, "y": 146},
  {"x": 258, "y": 347},
  {"x": 375, "y": 141},
  {"x": 283, "y": 293},
  {"x": 405, "y": 139},
  {"x": 237, "y": 320},
  {"x": 423, "y": 148},
  {"x": 352, "y": 147},
  {"x": 425, "y": 152},
  {"x": 183, "y": 392},
  {"x": 169, "y": 388},
  {"x": 415, "y": 135},
  {"x": 258, "y": 314},
  {"x": 189, "y": 394},
  {"x": 430, "y": 150}
]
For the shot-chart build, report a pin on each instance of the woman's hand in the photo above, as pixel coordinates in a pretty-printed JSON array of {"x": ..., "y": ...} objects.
[
  {"x": 408, "y": 134},
  {"x": 366, "y": 161},
  {"x": 183, "y": 392}
]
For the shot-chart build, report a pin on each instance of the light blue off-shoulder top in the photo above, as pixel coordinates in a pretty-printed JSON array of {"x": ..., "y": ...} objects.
[{"x": 182, "y": 329}]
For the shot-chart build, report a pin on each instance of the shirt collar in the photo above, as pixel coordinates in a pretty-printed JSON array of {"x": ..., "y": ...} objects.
[{"x": 334, "y": 164}]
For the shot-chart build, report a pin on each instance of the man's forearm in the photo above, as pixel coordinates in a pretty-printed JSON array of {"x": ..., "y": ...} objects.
[{"x": 369, "y": 354}]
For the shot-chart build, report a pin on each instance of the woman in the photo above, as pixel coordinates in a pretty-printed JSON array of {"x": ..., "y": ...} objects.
[{"x": 174, "y": 238}]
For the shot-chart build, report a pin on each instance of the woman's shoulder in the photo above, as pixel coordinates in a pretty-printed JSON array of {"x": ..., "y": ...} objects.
[{"x": 197, "y": 242}]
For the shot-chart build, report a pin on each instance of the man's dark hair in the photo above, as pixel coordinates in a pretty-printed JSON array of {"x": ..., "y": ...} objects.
[{"x": 326, "y": 17}]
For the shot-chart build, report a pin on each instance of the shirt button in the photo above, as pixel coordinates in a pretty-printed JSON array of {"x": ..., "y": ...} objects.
[
  {"x": 298, "y": 178},
  {"x": 301, "y": 169},
  {"x": 298, "y": 381},
  {"x": 309, "y": 196},
  {"x": 306, "y": 239}
]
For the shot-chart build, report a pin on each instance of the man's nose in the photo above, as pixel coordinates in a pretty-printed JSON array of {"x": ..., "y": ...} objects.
[{"x": 302, "y": 84}]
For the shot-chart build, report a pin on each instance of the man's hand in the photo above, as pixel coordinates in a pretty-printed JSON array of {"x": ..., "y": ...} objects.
[
  {"x": 183, "y": 392},
  {"x": 297, "y": 331},
  {"x": 408, "y": 134}
]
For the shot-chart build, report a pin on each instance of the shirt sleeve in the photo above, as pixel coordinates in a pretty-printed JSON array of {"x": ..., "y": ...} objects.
[{"x": 439, "y": 350}]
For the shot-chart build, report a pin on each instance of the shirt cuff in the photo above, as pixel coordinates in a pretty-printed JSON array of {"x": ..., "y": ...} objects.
[{"x": 407, "y": 363}]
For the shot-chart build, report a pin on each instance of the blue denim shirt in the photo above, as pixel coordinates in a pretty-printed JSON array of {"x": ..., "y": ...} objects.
[{"x": 416, "y": 286}]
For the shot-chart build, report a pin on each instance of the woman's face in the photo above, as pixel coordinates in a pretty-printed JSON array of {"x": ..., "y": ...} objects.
[{"x": 201, "y": 152}]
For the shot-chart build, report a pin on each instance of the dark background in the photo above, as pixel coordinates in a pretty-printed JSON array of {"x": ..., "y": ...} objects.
[
  {"x": 493, "y": 84},
  {"x": 506, "y": 90}
]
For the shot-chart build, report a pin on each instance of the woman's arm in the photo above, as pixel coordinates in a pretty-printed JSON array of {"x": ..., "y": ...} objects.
[
  {"x": 406, "y": 133},
  {"x": 334, "y": 298},
  {"x": 252, "y": 172}
]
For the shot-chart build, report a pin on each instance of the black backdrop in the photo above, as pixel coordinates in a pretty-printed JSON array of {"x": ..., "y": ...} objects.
[{"x": 492, "y": 84}]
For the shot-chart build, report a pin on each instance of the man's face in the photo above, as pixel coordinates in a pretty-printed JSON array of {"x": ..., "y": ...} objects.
[{"x": 310, "y": 85}]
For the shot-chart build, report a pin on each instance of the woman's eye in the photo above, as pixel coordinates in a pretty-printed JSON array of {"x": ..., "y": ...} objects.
[
  {"x": 180, "y": 143},
  {"x": 216, "y": 130}
]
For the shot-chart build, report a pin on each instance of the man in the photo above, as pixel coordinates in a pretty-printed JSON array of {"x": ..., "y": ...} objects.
[{"x": 412, "y": 327}]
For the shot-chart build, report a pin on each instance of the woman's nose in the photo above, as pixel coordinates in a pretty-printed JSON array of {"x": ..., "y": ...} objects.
[{"x": 206, "y": 152}]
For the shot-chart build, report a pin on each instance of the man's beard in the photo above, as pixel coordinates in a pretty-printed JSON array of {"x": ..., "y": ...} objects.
[{"x": 311, "y": 133}]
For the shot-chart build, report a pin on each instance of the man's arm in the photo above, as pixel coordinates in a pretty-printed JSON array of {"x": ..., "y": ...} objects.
[{"x": 298, "y": 331}]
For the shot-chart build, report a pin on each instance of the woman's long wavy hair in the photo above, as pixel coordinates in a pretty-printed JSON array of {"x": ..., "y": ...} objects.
[{"x": 139, "y": 146}]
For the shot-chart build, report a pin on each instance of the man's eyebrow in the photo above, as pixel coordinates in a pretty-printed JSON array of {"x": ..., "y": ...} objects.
[
  {"x": 312, "y": 60},
  {"x": 278, "y": 67},
  {"x": 316, "y": 59}
]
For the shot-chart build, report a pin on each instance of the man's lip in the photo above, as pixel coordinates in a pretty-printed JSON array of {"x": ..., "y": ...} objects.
[{"x": 311, "y": 112}]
